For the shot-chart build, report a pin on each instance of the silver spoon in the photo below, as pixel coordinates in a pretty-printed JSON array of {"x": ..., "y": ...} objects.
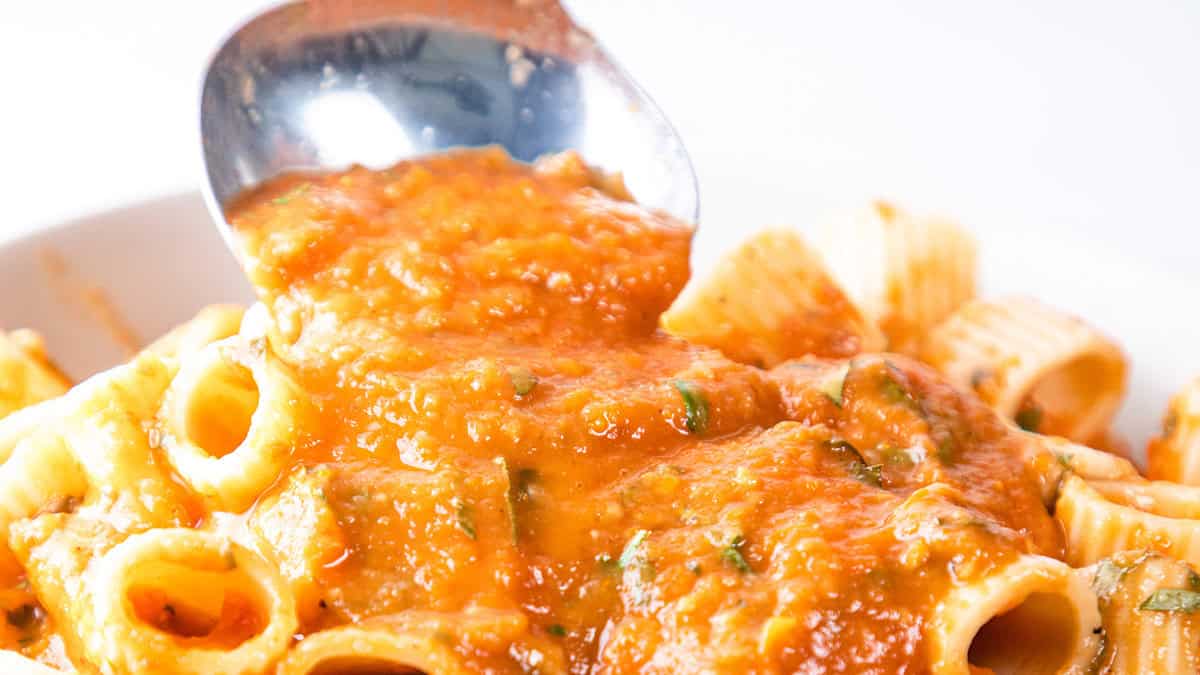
[{"x": 324, "y": 84}]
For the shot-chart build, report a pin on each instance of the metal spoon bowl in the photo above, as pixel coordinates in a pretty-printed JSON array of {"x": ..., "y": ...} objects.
[{"x": 325, "y": 84}]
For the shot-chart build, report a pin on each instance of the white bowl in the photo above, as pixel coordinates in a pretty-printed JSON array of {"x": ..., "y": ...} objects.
[
  {"x": 155, "y": 263},
  {"x": 159, "y": 261}
]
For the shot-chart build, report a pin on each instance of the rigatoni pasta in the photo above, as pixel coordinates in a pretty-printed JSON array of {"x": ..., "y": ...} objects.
[
  {"x": 905, "y": 272},
  {"x": 1047, "y": 371},
  {"x": 188, "y": 602},
  {"x": 1175, "y": 454},
  {"x": 771, "y": 300},
  {"x": 1035, "y": 602},
  {"x": 1148, "y": 603},
  {"x": 1103, "y": 518},
  {"x": 226, "y": 420}
]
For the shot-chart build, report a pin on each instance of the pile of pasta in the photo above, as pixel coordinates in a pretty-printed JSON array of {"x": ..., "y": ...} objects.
[
  {"x": 102, "y": 531},
  {"x": 885, "y": 279}
]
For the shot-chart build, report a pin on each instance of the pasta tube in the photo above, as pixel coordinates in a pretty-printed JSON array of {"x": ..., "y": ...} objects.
[
  {"x": 1148, "y": 604},
  {"x": 1032, "y": 616},
  {"x": 768, "y": 301},
  {"x": 212, "y": 323},
  {"x": 1102, "y": 518},
  {"x": 188, "y": 602},
  {"x": 227, "y": 421},
  {"x": 906, "y": 273},
  {"x": 1175, "y": 454},
  {"x": 1048, "y": 372}
]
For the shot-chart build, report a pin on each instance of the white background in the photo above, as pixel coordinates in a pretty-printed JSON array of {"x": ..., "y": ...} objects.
[
  {"x": 1071, "y": 115},
  {"x": 1066, "y": 134}
]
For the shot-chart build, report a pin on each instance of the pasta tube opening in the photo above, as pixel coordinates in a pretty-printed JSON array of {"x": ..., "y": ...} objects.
[
  {"x": 1075, "y": 399},
  {"x": 220, "y": 409},
  {"x": 1037, "y": 603},
  {"x": 192, "y": 599},
  {"x": 1042, "y": 624},
  {"x": 229, "y": 421}
]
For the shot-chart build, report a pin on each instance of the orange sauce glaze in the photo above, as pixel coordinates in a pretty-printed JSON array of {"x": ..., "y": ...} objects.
[{"x": 504, "y": 428}]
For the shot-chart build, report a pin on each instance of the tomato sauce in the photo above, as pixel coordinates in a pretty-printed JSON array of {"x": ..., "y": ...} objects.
[{"x": 499, "y": 423}]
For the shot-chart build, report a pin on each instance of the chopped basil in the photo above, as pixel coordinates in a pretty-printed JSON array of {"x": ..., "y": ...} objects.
[
  {"x": 1108, "y": 577},
  {"x": 1172, "y": 600},
  {"x": 947, "y": 450},
  {"x": 510, "y": 498},
  {"x": 632, "y": 552},
  {"x": 1193, "y": 580},
  {"x": 695, "y": 568},
  {"x": 1064, "y": 458},
  {"x": 871, "y": 474},
  {"x": 695, "y": 404},
  {"x": 295, "y": 192},
  {"x": 557, "y": 630},
  {"x": 466, "y": 520},
  {"x": 893, "y": 390},
  {"x": 834, "y": 384},
  {"x": 898, "y": 457},
  {"x": 523, "y": 380},
  {"x": 732, "y": 555},
  {"x": 1029, "y": 417}
]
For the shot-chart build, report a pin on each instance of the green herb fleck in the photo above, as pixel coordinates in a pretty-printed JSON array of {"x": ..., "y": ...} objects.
[
  {"x": 1172, "y": 600},
  {"x": 466, "y": 519},
  {"x": 893, "y": 390},
  {"x": 557, "y": 630},
  {"x": 871, "y": 474},
  {"x": 732, "y": 555},
  {"x": 291, "y": 194},
  {"x": 898, "y": 457},
  {"x": 1193, "y": 580},
  {"x": 947, "y": 450},
  {"x": 1029, "y": 417},
  {"x": 523, "y": 380},
  {"x": 695, "y": 404},
  {"x": 632, "y": 552},
  {"x": 230, "y": 561},
  {"x": 695, "y": 568},
  {"x": 510, "y": 498},
  {"x": 1064, "y": 458},
  {"x": 834, "y": 384}
]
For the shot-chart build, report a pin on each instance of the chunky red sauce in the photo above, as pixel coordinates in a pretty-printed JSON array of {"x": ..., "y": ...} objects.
[{"x": 499, "y": 423}]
